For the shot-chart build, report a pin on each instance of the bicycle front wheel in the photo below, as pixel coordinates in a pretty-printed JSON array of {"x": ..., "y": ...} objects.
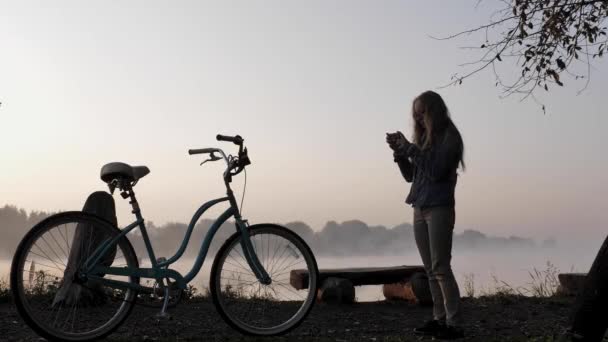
[
  {"x": 49, "y": 291},
  {"x": 254, "y": 308}
]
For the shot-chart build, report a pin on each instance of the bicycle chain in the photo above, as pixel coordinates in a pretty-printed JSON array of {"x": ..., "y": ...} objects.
[{"x": 135, "y": 302}]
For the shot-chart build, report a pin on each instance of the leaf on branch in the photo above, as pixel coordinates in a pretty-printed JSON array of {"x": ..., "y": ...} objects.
[
  {"x": 498, "y": 57},
  {"x": 560, "y": 63},
  {"x": 483, "y": 46},
  {"x": 555, "y": 76}
]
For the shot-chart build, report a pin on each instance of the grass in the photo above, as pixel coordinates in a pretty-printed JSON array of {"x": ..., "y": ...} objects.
[
  {"x": 543, "y": 283},
  {"x": 5, "y": 292},
  {"x": 469, "y": 285}
]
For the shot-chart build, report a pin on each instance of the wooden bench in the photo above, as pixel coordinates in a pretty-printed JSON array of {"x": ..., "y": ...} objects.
[
  {"x": 337, "y": 285},
  {"x": 571, "y": 284}
]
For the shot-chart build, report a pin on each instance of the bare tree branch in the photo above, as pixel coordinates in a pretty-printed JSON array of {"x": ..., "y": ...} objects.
[{"x": 546, "y": 39}]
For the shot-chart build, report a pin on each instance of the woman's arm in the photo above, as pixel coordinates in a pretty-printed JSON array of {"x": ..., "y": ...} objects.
[
  {"x": 406, "y": 168},
  {"x": 436, "y": 164}
]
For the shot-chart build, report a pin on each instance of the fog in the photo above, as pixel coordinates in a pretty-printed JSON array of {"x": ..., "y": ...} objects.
[
  {"x": 489, "y": 260},
  {"x": 510, "y": 265}
]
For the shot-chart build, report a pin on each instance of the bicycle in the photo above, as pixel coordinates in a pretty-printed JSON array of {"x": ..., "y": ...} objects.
[{"x": 85, "y": 289}]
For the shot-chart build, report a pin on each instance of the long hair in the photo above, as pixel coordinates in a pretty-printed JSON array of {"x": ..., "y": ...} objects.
[{"x": 437, "y": 122}]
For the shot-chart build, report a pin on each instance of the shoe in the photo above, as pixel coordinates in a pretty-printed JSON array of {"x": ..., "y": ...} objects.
[
  {"x": 430, "y": 328},
  {"x": 449, "y": 332}
]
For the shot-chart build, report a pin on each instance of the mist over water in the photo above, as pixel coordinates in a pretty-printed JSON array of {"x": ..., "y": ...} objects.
[
  {"x": 511, "y": 265},
  {"x": 488, "y": 260}
]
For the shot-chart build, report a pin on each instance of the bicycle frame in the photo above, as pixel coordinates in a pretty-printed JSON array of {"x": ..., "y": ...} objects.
[{"x": 161, "y": 270}]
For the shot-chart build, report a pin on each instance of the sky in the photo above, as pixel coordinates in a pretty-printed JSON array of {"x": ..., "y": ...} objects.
[{"x": 312, "y": 86}]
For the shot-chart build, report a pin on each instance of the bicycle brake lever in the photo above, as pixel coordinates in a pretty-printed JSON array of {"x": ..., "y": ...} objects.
[{"x": 212, "y": 157}]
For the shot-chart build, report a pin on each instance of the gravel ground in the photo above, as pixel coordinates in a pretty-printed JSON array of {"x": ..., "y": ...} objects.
[{"x": 497, "y": 318}]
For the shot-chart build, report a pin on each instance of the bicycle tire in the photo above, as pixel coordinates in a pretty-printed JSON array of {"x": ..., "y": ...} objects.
[
  {"x": 20, "y": 293},
  {"x": 221, "y": 295}
]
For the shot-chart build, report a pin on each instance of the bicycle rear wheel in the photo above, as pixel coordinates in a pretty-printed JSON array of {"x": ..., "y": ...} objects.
[
  {"x": 55, "y": 302},
  {"x": 252, "y": 307}
]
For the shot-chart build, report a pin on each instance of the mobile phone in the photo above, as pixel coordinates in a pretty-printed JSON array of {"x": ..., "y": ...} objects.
[{"x": 393, "y": 136}]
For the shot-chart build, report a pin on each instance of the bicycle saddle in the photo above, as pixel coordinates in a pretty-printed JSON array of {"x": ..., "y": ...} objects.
[{"x": 123, "y": 171}]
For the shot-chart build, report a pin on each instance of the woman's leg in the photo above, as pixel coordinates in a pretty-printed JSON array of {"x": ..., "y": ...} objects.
[
  {"x": 440, "y": 221},
  {"x": 421, "y": 234}
]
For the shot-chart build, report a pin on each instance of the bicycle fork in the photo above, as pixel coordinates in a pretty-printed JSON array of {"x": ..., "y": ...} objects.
[{"x": 250, "y": 254}]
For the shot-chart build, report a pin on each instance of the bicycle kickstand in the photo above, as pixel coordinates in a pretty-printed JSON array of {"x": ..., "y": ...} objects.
[{"x": 163, "y": 314}]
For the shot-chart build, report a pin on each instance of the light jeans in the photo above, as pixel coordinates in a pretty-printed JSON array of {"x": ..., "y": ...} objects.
[{"x": 433, "y": 230}]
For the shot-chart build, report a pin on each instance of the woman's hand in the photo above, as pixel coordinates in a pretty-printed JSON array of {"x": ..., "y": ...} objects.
[
  {"x": 403, "y": 143},
  {"x": 397, "y": 141}
]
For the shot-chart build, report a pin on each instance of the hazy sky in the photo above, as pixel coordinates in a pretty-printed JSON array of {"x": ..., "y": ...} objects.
[{"x": 311, "y": 85}]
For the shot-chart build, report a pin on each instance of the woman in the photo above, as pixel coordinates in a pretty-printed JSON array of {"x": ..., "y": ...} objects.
[{"x": 430, "y": 163}]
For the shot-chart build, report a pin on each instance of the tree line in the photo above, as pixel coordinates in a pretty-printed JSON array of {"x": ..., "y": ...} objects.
[{"x": 349, "y": 238}]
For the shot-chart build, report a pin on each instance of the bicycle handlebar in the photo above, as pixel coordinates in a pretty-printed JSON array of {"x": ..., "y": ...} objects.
[
  {"x": 201, "y": 150},
  {"x": 237, "y": 140},
  {"x": 233, "y": 164}
]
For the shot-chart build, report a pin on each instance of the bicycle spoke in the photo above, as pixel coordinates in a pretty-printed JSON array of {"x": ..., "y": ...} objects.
[
  {"x": 41, "y": 264},
  {"x": 52, "y": 250},
  {"x": 288, "y": 267},
  {"x": 290, "y": 290},
  {"x": 239, "y": 263},
  {"x": 239, "y": 267},
  {"x": 46, "y": 256},
  {"x": 64, "y": 237},
  {"x": 242, "y": 257},
  {"x": 275, "y": 264},
  {"x": 248, "y": 274},
  {"x": 56, "y": 266},
  {"x": 67, "y": 236},
  {"x": 292, "y": 249},
  {"x": 58, "y": 245}
]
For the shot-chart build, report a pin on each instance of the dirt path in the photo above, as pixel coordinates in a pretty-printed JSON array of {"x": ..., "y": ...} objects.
[{"x": 487, "y": 319}]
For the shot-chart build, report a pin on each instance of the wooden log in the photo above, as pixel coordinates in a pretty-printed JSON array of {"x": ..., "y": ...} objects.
[
  {"x": 336, "y": 291},
  {"x": 399, "y": 291},
  {"x": 588, "y": 321},
  {"x": 571, "y": 284},
  {"x": 102, "y": 204},
  {"x": 422, "y": 290},
  {"x": 358, "y": 276},
  {"x": 416, "y": 290}
]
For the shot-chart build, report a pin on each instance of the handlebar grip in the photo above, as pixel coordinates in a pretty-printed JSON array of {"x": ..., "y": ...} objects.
[
  {"x": 236, "y": 139},
  {"x": 201, "y": 150}
]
